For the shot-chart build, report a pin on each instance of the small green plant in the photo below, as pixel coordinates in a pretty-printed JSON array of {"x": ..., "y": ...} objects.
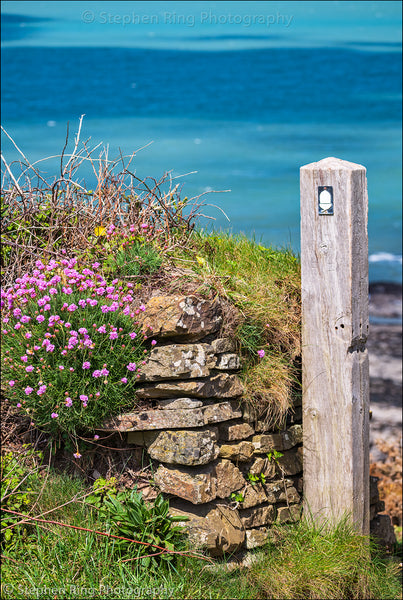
[
  {"x": 17, "y": 494},
  {"x": 256, "y": 478},
  {"x": 132, "y": 517},
  {"x": 103, "y": 489},
  {"x": 237, "y": 497},
  {"x": 135, "y": 257},
  {"x": 274, "y": 455}
]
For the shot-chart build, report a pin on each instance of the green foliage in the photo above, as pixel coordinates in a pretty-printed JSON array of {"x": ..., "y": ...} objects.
[
  {"x": 131, "y": 517},
  {"x": 255, "y": 478},
  {"x": 103, "y": 489},
  {"x": 16, "y": 491},
  {"x": 274, "y": 455},
  {"x": 72, "y": 348},
  {"x": 307, "y": 560},
  {"x": 237, "y": 497},
  {"x": 134, "y": 258}
]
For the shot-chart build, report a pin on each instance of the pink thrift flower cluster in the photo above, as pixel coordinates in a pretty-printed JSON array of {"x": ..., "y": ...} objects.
[{"x": 70, "y": 337}]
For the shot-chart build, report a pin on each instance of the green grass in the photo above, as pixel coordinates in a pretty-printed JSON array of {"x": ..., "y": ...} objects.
[
  {"x": 263, "y": 287},
  {"x": 300, "y": 562}
]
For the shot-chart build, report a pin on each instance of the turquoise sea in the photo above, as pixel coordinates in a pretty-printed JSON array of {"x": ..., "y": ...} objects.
[{"x": 233, "y": 96}]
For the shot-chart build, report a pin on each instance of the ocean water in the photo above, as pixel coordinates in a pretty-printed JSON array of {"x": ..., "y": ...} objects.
[{"x": 232, "y": 96}]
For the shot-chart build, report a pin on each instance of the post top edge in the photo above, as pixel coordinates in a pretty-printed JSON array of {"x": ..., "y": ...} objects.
[{"x": 333, "y": 163}]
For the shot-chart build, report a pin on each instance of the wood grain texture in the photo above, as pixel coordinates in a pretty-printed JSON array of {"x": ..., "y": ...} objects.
[{"x": 335, "y": 375}]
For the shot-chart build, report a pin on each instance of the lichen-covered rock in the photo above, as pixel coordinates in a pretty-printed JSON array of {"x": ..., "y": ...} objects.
[
  {"x": 228, "y": 362},
  {"x": 264, "y": 466},
  {"x": 221, "y": 345},
  {"x": 292, "y": 436},
  {"x": 273, "y": 492},
  {"x": 230, "y": 432},
  {"x": 258, "y": 516},
  {"x": 243, "y": 451},
  {"x": 201, "y": 486},
  {"x": 229, "y": 527},
  {"x": 290, "y": 463},
  {"x": 288, "y": 514},
  {"x": 185, "y": 447},
  {"x": 185, "y": 317},
  {"x": 197, "y": 488},
  {"x": 256, "y": 537},
  {"x": 229, "y": 478},
  {"x": 175, "y": 403},
  {"x": 220, "y": 386},
  {"x": 267, "y": 442},
  {"x": 172, "y": 419},
  {"x": 218, "y": 530},
  {"x": 178, "y": 361}
]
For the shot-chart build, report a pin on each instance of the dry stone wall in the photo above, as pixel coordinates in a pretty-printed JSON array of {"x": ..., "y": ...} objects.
[
  {"x": 213, "y": 461},
  {"x": 205, "y": 444}
]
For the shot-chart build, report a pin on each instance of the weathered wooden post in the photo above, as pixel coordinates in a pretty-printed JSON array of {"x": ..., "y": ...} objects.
[{"x": 335, "y": 372}]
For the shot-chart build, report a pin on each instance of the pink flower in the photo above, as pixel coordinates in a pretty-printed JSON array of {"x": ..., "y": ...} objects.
[
  {"x": 54, "y": 415},
  {"x": 113, "y": 335},
  {"x": 132, "y": 335},
  {"x": 97, "y": 373},
  {"x": 69, "y": 402},
  {"x": 131, "y": 366},
  {"x": 142, "y": 307},
  {"x": 41, "y": 390},
  {"x": 11, "y": 383},
  {"x": 28, "y": 335},
  {"x": 124, "y": 380},
  {"x": 71, "y": 369},
  {"x": 144, "y": 226},
  {"x": 29, "y": 369},
  {"x": 61, "y": 368},
  {"x": 86, "y": 365},
  {"x": 96, "y": 437},
  {"x": 101, "y": 329},
  {"x": 40, "y": 318},
  {"x": 24, "y": 358},
  {"x": 19, "y": 405},
  {"x": 261, "y": 353},
  {"x": 153, "y": 342},
  {"x": 28, "y": 390},
  {"x": 77, "y": 455},
  {"x": 83, "y": 398},
  {"x": 17, "y": 325}
]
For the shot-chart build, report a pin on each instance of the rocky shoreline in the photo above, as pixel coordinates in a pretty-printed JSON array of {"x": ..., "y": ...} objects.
[{"x": 385, "y": 364}]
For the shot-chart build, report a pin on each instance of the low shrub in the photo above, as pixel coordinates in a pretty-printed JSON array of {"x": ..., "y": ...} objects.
[{"x": 72, "y": 347}]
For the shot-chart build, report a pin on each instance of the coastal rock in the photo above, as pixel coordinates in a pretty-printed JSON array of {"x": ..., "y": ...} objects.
[
  {"x": 222, "y": 385},
  {"x": 184, "y": 361},
  {"x": 185, "y": 447},
  {"x": 256, "y": 517},
  {"x": 185, "y": 317},
  {"x": 229, "y": 478},
  {"x": 228, "y": 362},
  {"x": 216, "y": 479},
  {"x": 197, "y": 488},
  {"x": 242, "y": 451},
  {"x": 172, "y": 419},
  {"x": 230, "y": 432},
  {"x": 288, "y": 514},
  {"x": 256, "y": 537}
]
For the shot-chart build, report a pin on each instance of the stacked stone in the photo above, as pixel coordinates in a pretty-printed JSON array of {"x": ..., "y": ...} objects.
[{"x": 206, "y": 444}]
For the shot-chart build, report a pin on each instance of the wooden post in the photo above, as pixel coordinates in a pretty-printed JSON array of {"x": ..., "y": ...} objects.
[{"x": 335, "y": 372}]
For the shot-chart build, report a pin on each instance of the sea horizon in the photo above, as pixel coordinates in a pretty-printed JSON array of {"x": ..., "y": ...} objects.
[{"x": 227, "y": 96}]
